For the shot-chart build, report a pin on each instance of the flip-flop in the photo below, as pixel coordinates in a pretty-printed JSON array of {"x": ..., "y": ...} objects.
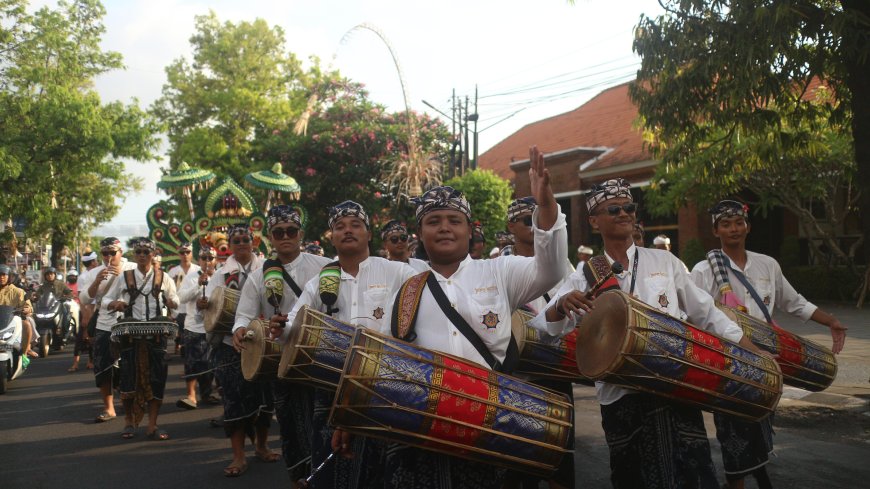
[
  {"x": 72, "y": 369},
  {"x": 269, "y": 458},
  {"x": 158, "y": 435},
  {"x": 185, "y": 403},
  {"x": 104, "y": 417},
  {"x": 129, "y": 432},
  {"x": 235, "y": 470}
]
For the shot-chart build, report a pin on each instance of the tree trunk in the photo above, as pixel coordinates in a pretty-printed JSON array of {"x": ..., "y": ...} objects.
[{"x": 58, "y": 241}]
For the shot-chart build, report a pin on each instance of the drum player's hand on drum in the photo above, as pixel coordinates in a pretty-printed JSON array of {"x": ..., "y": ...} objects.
[
  {"x": 574, "y": 303},
  {"x": 239, "y": 339},
  {"x": 202, "y": 304},
  {"x": 341, "y": 443},
  {"x": 276, "y": 325},
  {"x": 117, "y": 306}
]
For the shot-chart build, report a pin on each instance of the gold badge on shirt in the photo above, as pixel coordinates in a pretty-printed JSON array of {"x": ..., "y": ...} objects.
[
  {"x": 378, "y": 313},
  {"x": 663, "y": 301},
  {"x": 490, "y": 320}
]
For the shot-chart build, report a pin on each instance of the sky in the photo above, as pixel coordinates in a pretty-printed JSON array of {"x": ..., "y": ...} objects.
[{"x": 530, "y": 59}]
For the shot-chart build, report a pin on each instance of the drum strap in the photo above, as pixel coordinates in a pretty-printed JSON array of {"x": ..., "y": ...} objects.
[
  {"x": 743, "y": 280},
  {"x": 156, "y": 287},
  {"x": 406, "y": 306},
  {"x": 596, "y": 268}
]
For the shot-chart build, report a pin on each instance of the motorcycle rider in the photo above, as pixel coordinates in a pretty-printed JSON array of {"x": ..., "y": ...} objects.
[
  {"x": 10, "y": 295},
  {"x": 59, "y": 289}
]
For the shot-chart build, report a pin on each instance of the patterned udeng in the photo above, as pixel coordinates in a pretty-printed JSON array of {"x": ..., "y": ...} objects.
[
  {"x": 804, "y": 364},
  {"x": 624, "y": 341},
  {"x": 406, "y": 394}
]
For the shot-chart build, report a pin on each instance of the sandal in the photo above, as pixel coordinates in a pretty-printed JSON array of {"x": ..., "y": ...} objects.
[
  {"x": 104, "y": 417},
  {"x": 129, "y": 432},
  {"x": 269, "y": 457},
  {"x": 185, "y": 403},
  {"x": 235, "y": 470},
  {"x": 72, "y": 369},
  {"x": 158, "y": 435}
]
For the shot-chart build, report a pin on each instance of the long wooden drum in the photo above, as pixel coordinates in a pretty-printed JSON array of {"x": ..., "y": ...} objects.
[
  {"x": 316, "y": 349},
  {"x": 261, "y": 355},
  {"x": 623, "y": 341},
  {"x": 804, "y": 364},
  {"x": 543, "y": 356},
  {"x": 396, "y": 391},
  {"x": 221, "y": 311}
]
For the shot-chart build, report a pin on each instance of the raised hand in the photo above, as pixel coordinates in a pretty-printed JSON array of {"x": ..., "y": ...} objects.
[{"x": 539, "y": 177}]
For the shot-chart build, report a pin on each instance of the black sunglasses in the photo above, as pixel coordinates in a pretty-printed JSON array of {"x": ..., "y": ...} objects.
[
  {"x": 109, "y": 253},
  {"x": 280, "y": 233},
  {"x": 238, "y": 241},
  {"x": 395, "y": 239},
  {"x": 526, "y": 220},
  {"x": 629, "y": 208},
  {"x": 142, "y": 251},
  {"x": 184, "y": 252},
  {"x": 206, "y": 257}
]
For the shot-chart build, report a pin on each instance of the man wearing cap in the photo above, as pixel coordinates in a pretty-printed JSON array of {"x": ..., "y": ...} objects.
[
  {"x": 193, "y": 337},
  {"x": 654, "y": 442},
  {"x": 478, "y": 241},
  {"x": 248, "y": 406},
  {"x": 583, "y": 253},
  {"x": 395, "y": 238},
  {"x": 142, "y": 294},
  {"x": 753, "y": 283},
  {"x": 484, "y": 293},
  {"x": 273, "y": 297},
  {"x": 104, "y": 276},
  {"x": 364, "y": 298},
  {"x": 662, "y": 242},
  {"x": 177, "y": 274}
]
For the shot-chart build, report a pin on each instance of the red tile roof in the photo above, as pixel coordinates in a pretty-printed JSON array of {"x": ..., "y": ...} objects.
[{"x": 607, "y": 120}]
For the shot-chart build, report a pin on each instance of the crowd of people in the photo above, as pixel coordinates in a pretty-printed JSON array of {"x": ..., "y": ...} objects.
[{"x": 463, "y": 306}]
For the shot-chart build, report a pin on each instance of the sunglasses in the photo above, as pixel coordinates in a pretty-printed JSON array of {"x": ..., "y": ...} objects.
[
  {"x": 184, "y": 252},
  {"x": 629, "y": 208},
  {"x": 109, "y": 253},
  {"x": 281, "y": 233},
  {"x": 207, "y": 258},
  {"x": 395, "y": 239},
  {"x": 238, "y": 241},
  {"x": 142, "y": 251}
]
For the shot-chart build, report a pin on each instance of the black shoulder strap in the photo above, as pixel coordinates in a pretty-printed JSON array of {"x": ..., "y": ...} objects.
[
  {"x": 512, "y": 354},
  {"x": 751, "y": 289}
]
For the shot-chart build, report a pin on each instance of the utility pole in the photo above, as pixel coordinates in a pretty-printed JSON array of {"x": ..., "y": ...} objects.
[
  {"x": 474, "y": 117},
  {"x": 466, "y": 161}
]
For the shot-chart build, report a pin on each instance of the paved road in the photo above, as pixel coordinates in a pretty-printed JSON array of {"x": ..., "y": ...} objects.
[{"x": 48, "y": 438}]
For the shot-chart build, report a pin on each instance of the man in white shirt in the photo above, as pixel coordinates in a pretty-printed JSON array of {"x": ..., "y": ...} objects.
[
  {"x": 745, "y": 444},
  {"x": 142, "y": 294},
  {"x": 654, "y": 442},
  {"x": 177, "y": 274},
  {"x": 484, "y": 293},
  {"x": 364, "y": 298},
  {"x": 395, "y": 239},
  {"x": 193, "y": 337},
  {"x": 248, "y": 406},
  {"x": 273, "y": 297},
  {"x": 83, "y": 341},
  {"x": 105, "y": 366}
]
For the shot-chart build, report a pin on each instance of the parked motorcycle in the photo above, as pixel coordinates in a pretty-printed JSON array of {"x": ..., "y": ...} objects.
[
  {"x": 12, "y": 362},
  {"x": 56, "y": 321}
]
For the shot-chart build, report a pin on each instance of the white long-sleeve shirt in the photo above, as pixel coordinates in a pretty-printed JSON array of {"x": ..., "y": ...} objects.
[
  {"x": 365, "y": 300},
  {"x": 219, "y": 279},
  {"x": 254, "y": 302},
  {"x": 662, "y": 282},
  {"x": 765, "y": 275},
  {"x": 145, "y": 305},
  {"x": 179, "y": 275},
  {"x": 487, "y": 292},
  {"x": 188, "y": 293},
  {"x": 106, "y": 319}
]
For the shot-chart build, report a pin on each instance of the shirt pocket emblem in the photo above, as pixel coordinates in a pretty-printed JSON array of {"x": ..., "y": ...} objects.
[{"x": 490, "y": 320}]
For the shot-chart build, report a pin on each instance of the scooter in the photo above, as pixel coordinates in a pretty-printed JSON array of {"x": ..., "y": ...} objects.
[
  {"x": 12, "y": 362},
  {"x": 56, "y": 321}
]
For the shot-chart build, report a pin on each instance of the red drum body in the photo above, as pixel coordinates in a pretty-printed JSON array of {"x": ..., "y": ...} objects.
[
  {"x": 403, "y": 393},
  {"x": 543, "y": 357},
  {"x": 804, "y": 364},
  {"x": 316, "y": 350},
  {"x": 625, "y": 342}
]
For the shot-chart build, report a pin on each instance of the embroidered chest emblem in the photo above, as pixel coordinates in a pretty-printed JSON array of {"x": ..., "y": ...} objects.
[
  {"x": 663, "y": 301},
  {"x": 378, "y": 313},
  {"x": 766, "y": 300},
  {"x": 490, "y": 320}
]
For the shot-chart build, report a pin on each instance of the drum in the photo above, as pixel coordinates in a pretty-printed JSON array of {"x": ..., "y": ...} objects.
[
  {"x": 261, "y": 355},
  {"x": 396, "y": 391},
  {"x": 316, "y": 349},
  {"x": 804, "y": 364},
  {"x": 220, "y": 314},
  {"x": 543, "y": 356},
  {"x": 623, "y": 341},
  {"x": 128, "y": 329}
]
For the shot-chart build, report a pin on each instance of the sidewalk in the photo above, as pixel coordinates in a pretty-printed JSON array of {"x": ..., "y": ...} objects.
[{"x": 851, "y": 389}]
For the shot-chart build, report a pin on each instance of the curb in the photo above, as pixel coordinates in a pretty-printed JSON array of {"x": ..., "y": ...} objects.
[{"x": 792, "y": 396}]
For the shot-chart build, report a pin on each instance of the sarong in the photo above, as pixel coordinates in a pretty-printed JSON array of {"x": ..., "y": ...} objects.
[
  {"x": 745, "y": 444},
  {"x": 247, "y": 405},
  {"x": 143, "y": 372},
  {"x": 657, "y": 444},
  {"x": 196, "y": 361},
  {"x": 294, "y": 406},
  {"x": 421, "y": 469},
  {"x": 105, "y": 368}
]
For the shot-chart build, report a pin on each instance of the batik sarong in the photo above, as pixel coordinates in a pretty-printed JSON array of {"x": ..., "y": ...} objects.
[
  {"x": 745, "y": 444},
  {"x": 246, "y": 404}
]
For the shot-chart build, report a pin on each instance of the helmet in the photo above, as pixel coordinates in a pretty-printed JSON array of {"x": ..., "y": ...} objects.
[
  {"x": 48, "y": 270},
  {"x": 5, "y": 270},
  {"x": 72, "y": 273}
]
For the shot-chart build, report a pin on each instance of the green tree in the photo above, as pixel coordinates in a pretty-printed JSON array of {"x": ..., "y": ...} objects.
[
  {"x": 721, "y": 80},
  {"x": 240, "y": 85},
  {"x": 488, "y": 195},
  {"x": 61, "y": 148}
]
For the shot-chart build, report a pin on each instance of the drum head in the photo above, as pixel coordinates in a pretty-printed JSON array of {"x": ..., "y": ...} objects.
[
  {"x": 601, "y": 335},
  {"x": 288, "y": 352},
  {"x": 213, "y": 311},
  {"x": 518, "y": 327},
  {"x": 255, "y": 346}
]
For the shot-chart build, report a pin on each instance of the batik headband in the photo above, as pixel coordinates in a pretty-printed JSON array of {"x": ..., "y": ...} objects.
[
  {"x": 477, "y": 231},
  {"x": 441, "y": 198},
  {"x": 728, "y": 208},
  {"x": 207, "y": 251},
  {"x": 348, "y": 208},
  {"x": 144, "y": 243},
  {"x": 110, "y": 243},
  {"x": 239, "y": 230},
  {"x": 521, "y": 206},
  {"x": 393, "y": 226},
  {"x": 185, "y": 246},
  {"x": 283, "y": 214},
  {"x": 611, "y": 189}
]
